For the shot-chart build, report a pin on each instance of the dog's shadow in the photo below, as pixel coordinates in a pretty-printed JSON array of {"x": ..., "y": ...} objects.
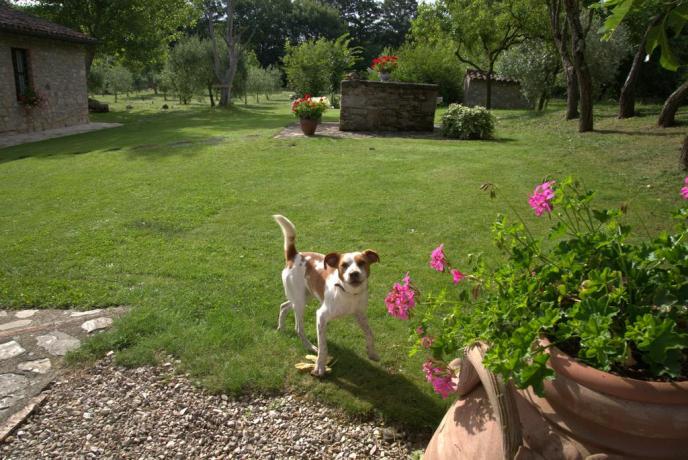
[{"x": 390, "y": 394}]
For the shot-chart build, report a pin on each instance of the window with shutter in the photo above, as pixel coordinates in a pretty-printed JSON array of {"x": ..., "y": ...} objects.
[{"x": 21, "y": 71}]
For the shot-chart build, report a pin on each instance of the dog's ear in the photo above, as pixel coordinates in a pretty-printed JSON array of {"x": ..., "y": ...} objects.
[
  {"x": 371, "y": 256},
  {"x": 332, "y": 259}
]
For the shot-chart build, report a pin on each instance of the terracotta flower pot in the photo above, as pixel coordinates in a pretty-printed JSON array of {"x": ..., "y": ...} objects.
[
  {"x": 619, "y": 415},
  {"x": 585, "y": 413},
  {"x": 308, "y": 126}
]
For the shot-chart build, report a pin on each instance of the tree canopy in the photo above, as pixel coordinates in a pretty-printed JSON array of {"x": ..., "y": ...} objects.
[{"x": 135, "y": 31}]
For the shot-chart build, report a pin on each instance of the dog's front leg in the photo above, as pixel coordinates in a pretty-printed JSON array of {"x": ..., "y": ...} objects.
[
  {"x": 322, "y": 318},
  {"x": 370, "y": 341}
]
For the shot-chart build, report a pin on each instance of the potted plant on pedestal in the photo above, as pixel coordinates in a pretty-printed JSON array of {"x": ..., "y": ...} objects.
[
  {"x": 309, "y": 112},
  {"x": 384, "y": 66},
  {"x": 587, "y": 327}
]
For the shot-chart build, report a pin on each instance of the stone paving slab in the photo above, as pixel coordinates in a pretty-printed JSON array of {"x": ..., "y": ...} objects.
[
  {"x": 32, "y": 347},
  {"x": 10, "y": 350},
  {"x": 331, "y": 130},
  {"x": 26, "y": 138}
]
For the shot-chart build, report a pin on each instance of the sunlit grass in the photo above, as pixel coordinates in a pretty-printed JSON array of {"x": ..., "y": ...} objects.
[{"x": 170, "y": 214}]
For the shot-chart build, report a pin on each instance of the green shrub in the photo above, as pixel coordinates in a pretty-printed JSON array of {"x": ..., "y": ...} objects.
[
  {"x": 317, "y": 66},
  {"x": 431, "y": 63},
  {"x": 461, "y": 122}
]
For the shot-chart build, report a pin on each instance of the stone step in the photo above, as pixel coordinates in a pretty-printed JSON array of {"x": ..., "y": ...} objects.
[{"x": 32, "y": 347}]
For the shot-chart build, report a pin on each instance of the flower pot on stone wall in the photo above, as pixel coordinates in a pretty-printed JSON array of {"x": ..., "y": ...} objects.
[
  {"x": 308, "y": 125},
  {"x": 384, "y": 76},
  {"x": 585, "y": 413}
]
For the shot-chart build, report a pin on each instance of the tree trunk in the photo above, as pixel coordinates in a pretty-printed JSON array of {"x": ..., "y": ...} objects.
[
  {"x": 585, "y": 122},
  {"x": 561, "y": 40},
  {"x": 684, "y": 154},
  {"x": 210, "y": 93},
  {"x": 90, "y": 54},
  {"x": 224, "y": 97},
  {"x": 627, "y": 96},
  {"x": 488, "y": 90},
  {"x": 115, "y": 97},
  {"x": 541, "y": 103},
  {"x": 668, "y": 114},
  {"x": 225, "y": 76},
  {"x": 572, "y": 94}
]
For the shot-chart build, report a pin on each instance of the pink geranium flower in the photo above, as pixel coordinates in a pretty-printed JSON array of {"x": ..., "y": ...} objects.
[
  {"x": 457, "y": 276},
  {"x": 426, "y": 342},
  {"x": 684, "y": 190},
  {"x": 401, "y": 299},
  {"x": 437, "y": 259},
  {"x": 441, "y": 379},
  {"x": 541, "y": 199}
]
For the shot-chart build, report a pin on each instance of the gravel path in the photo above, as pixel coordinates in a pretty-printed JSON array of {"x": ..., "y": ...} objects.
[{"x": 150, "y": 413}]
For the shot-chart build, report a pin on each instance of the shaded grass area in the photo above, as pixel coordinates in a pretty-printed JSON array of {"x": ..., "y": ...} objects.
[{"x": 171, "y": 214}]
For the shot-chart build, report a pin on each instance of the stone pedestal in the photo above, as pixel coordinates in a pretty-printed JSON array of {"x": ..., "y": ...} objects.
[{"x": 387, "y": 106}]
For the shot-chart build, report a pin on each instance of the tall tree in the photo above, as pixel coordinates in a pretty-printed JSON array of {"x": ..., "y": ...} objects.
[
  {"x": 395, "y": 21},
  {"x": 483, "y": 30},
  {"x": 361, "y": 17},
  {"x": 573, "y": 15},
  {"x": 269, "y": 21},
  {"x": 561, "y": 36},
  {"x": 134, "y": 31},
  {"x": 311, "y": 19},
  {"x": 225, "y": 63}
]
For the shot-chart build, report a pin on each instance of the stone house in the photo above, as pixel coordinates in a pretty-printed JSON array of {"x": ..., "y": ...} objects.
[
  {"x": 506, "y": 91},
  {"x": 41, "y": 64}
]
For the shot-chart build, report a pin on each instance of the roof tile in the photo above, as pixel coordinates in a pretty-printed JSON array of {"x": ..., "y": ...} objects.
[{"x": 15, "y": 21}]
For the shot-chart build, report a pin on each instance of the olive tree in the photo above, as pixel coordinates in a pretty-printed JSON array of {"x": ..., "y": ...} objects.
[
  {"x": 118, "y": 79},
  {"x": 536, "y": 64},
  {"x": 317, "y": 66}
]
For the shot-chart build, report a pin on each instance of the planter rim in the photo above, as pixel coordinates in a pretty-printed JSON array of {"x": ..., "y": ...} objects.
[{"x": 614, "y": 385}]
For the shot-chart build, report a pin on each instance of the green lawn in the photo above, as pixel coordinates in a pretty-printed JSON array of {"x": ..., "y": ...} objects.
[{"x": 171, "y": 214}]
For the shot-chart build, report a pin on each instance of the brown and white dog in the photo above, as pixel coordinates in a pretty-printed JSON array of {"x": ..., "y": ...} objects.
[{"x": 338, "y": 281}]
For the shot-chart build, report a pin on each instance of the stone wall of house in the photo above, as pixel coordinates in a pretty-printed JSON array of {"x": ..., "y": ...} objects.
[
  {"x": 505, "y": 95},
  {"x": 58, "y": 74},
  {"x": 387, "y": 106}
]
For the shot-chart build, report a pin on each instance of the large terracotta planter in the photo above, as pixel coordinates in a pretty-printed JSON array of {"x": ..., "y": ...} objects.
[
  {"x": 615, "y": 414},
  {"x": 308, "y": 126},
  {"x": 585, "y": 413}
]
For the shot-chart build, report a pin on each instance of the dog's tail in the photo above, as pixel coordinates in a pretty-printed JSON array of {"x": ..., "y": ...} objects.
[{"x": 289, "y": 232}]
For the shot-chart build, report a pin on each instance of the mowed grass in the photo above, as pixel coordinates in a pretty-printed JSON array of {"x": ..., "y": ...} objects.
[{"x": 170, "y": 214}]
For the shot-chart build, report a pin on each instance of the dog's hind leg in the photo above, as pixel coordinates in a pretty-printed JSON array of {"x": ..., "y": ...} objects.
[
  {"x": 299, "y": 310},
  {"x": 296, "y": 292},
  {"x": 297, "y": 296},
  {"x": 284, "y": 311},
  {"x": 370, "y": 342}
]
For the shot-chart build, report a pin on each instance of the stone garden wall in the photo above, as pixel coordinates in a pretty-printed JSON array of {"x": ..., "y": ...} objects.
[
  {"x": 58, "y": 74},
  {"x": 505, "y": 95},
  {"x": 387, "y": 106}
]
